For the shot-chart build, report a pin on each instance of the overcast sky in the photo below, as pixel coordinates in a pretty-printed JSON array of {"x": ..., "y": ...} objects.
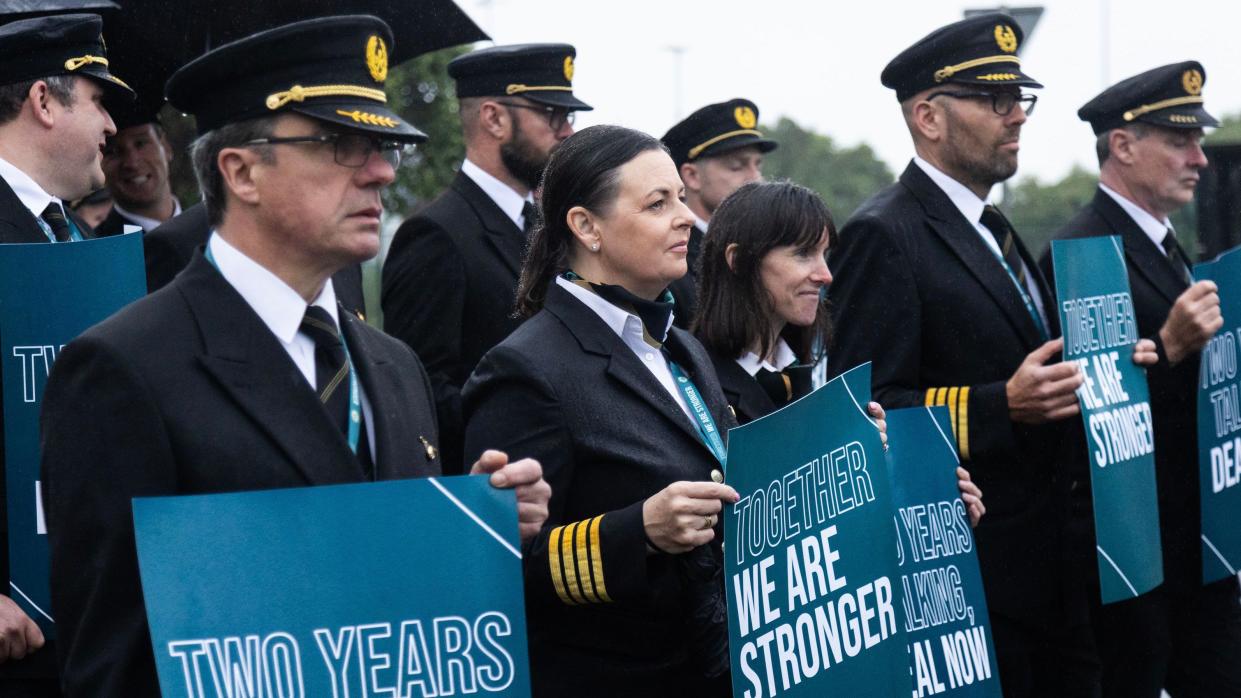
[{"x": 818, "y": 62}]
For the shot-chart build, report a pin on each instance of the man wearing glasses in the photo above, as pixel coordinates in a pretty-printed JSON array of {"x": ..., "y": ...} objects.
[
  {"x": 262, "y": 379},
  {"x": 933, "y": 285},
  {"x": 450, "y": 278}
]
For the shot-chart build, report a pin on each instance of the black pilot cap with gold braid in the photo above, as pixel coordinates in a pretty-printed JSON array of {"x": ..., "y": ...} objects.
[
  {"x": 541, "y": 73},
  {"x": 43, "y": 47},
  {"x": 980, "y": 50},
  {"x": 715, "y": 129},
  {"x": 331, "y": 69},
  {"x": 1168, "y": 96}
]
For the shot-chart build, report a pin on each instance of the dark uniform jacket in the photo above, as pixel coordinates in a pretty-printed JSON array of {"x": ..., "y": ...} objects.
[
  {"x": 605, "y": 618},
  {"x": 171, "y": 246},
  {"x": 449, "y": 291},
  {"x": 1155, "y": 286},
  {"x": 685, "y": 289},
  {"x": 18, "y": 225},
  {"x": 746, "y": 397},
  {"x": 918, "y": 292},
  {"x": 222, "y": 408},
  {"x": 114, "y": 224}
]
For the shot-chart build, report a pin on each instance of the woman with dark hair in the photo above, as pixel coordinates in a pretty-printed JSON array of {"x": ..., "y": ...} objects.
[
  {"x": 762, "y": 310},
  {"x": 765, "y": 320},
  {"x": 623, "y": 587}
]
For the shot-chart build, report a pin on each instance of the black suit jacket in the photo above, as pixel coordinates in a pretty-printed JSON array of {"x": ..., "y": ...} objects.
[
  {"x": 170, "y": 247},
  {"x": 918, "y": 292},
  {"x": 747, "y": 398},
  {"x": 222, "y": 408},
  {"x": 685, "y": 289},
  {"x": 450, "y": 290},
  {"x": 566, "y": 390},
  {"x": 114, "y": 224},
  {"x": 18, "y": 225},
  {"x": 1155, "y": 285}
]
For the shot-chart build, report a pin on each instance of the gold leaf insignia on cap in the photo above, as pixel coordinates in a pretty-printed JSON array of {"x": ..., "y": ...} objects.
[
  {"x": 369, "y": 119},
  {"x": 377, "y": 58},
  {"x": 1191, "y": 80},
  {"x": 745, "y": 117},
  {"x": 568, "y": 68},
  {"x": 1005, "y": 38}
]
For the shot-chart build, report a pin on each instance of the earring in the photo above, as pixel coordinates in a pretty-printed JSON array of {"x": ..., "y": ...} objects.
[{"x": 594, "y": 247}]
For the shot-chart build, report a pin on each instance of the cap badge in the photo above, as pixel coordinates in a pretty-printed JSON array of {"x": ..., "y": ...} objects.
[
  {"x": 745, "y": 117},
  {"x": 1191, "y": 80},
  {"x": 568, "y": 68},
  {"x": 1005, "y": 38},
  {"x": 377, "y": 58}
]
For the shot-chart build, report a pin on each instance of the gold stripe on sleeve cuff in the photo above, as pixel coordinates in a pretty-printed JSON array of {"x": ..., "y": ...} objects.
[
  {"x": 962, "y": 422},
  {"x": 555, "y": 560},
  {"x": 596, "y": 559},
  {"x": 581, "y": 556}
]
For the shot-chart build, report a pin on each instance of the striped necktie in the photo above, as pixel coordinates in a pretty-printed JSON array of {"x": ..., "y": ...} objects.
[
  {"x": 1000, "y": 228},
  {"x": 332, "y": 374},
  {"x": 54, "y": 216}
]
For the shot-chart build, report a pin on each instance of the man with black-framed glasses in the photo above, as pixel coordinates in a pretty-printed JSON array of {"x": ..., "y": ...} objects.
[
  {"x": 935, "y": 287},
  {"x": 450, "y": 278},
  {"x": 245, "y": 372}
]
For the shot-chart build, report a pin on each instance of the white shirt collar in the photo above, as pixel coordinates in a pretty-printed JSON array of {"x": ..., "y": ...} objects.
[
  {"x": 966, "y": 201},
  {"x": 147, "y": 224},
  {"x": 27, "y": 190},
  {"x": 509, "y": 201},
  {"x": 274, "y": 301},
  {"x": 1153, "y": 227},
  {"x": 784, "y": 357},
  {"x": 702, "y": 225}
]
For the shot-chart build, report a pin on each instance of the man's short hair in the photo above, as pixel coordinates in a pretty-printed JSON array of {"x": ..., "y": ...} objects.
[
  {"x": 205, "y": 151},
  {"x": 1102, "y": 147},
  {"x": 14, "y": 95}
]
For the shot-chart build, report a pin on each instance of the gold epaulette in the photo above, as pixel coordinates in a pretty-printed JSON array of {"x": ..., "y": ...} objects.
[
  {"x": 958, "y": 401},
  {"x": 574, "y": 555}
]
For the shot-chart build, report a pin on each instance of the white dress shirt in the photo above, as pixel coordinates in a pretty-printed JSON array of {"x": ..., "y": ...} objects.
[
  {"x": 702, "y": 225},
  {"x": 147, "y": 224},
  {"x": 282, "y": 310},
  {"x": 28, "y": 192},
  {"x": 509, "y": 201},
  {"x": 1153, "y": 227},
  {"x": 784, "y": 357},
  {"x": 628, "y": 327},
  {"x": 970, "y": 206}
]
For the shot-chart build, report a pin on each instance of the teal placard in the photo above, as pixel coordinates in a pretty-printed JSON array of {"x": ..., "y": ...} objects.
[
  {"x": 1219, "y": 425},
  {"x": 49, "y": 294},
  {"x": 408, "y": 588},
  {"x": 951, "y": 650},
  {"x": 811, "y": 575},
  {"x": 1100, "y": 330}
]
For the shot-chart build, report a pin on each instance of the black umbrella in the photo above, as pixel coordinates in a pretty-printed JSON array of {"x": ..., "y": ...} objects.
[
  {"x": 149, "y": 39},
  {"x": 13, "y": 10}
]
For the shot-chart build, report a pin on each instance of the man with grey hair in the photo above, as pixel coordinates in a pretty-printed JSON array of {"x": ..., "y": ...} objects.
[
  {"x": 450, "y": 278},
  {"x": 262, "y": 379},
  {"x": 53, "y": 83},
  {"x": 1182, "y": 635}
]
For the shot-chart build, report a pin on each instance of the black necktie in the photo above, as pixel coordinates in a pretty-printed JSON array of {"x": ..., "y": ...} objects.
[
  {"x": 783, "y": 387},
  {"x": 332, "y": 374},
  {"x": 1002, "y": 231},
  {"x": 54, "y": 216},
  {"x": 529, "y": 217},
  {"x": 1176, "y": 257}
]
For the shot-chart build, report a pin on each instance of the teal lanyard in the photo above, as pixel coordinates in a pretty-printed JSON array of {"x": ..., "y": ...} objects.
[
  {"x": 703, "y": 419},
  {"x": 1025, "y": 297},
  {"x": 75, "y": 235},
  {"x": 355, "y": 399}
]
